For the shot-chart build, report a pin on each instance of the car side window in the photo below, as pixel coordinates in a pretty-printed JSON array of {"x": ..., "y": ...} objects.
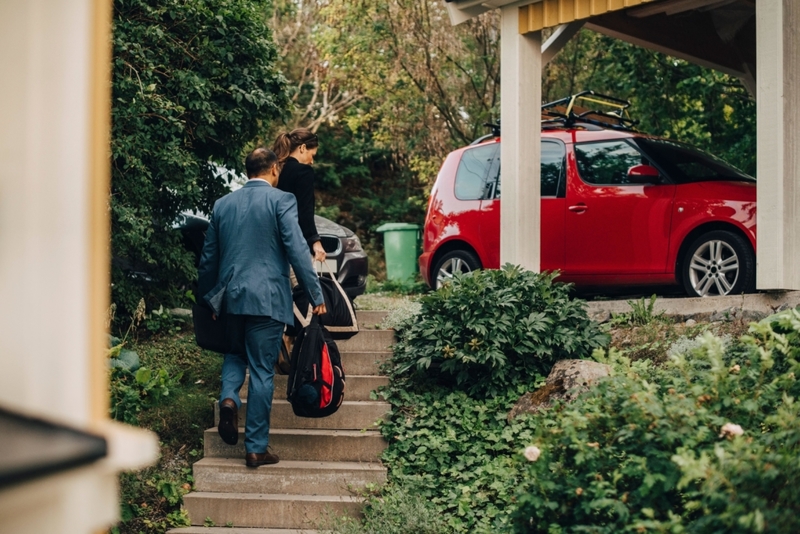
[
  {"x": 552, "y": 173},
  {"x": 473, "y": 170},
  {"x": 607, "y": 162}
]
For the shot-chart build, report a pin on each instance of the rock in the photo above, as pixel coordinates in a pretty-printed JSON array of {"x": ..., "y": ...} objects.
[
  {"x": 690, "y": 322},
  {"x": 753, "y": 316},
  {"x": 723, "y": 316},
  {"x": 567, "y": 380},
  {"x": 180, "y": 312},
  {"x": 600, "y": 316}
]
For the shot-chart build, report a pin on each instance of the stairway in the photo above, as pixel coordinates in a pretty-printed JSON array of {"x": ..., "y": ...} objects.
[{"x": 322, "y": 460}]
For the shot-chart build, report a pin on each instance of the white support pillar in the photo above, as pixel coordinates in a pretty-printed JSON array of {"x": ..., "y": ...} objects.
[
  {"x": 520, "y": 154},
  {"x": 778, "y": 148}
]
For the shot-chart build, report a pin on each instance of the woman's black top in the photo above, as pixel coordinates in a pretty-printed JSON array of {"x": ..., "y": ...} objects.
[{"x": 298, "y": 179}]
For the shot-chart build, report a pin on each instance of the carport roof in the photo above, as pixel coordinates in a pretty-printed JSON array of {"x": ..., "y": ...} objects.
[{"x": 720, "y": 34}]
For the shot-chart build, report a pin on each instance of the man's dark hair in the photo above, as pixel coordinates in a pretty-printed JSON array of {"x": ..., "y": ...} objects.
[{"x": 259, "y": 161}]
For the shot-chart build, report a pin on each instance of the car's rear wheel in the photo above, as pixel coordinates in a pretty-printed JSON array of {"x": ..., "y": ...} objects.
[
  {"x": 455, "y": 261},
  {"x": 718, "y": 263}
]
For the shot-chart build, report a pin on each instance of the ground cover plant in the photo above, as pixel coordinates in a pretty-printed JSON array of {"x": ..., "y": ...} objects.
[
  {"x": 460, "y": 364},
  {"x": 697, "y": 434},
  {"x": 708, "y": 442},
  {"x": 169, "y": 390}
]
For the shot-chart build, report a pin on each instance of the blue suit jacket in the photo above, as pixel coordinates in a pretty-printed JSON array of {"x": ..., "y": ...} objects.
[{"x": 252, "y": 238}]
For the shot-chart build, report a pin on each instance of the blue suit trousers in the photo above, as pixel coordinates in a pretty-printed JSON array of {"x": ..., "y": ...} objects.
[{"x": 263, "y": 338}]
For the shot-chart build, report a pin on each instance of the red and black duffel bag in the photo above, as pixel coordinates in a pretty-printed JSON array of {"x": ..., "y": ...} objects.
[{"x": 316, "y": 379}]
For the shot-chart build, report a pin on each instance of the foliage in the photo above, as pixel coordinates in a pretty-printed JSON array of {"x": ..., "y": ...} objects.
[
  {"x": 193, "y": 83},
  {"x": 151, "y": 499},
  {"x": 642, "y": 313},
  {"x": 456, "y": 451},
  {"x": 397, "y": 510},
  {"x": 706, "y": 443},
  {"x": 409, "y": 286},
  {"x": 491, "y": 330},
  {"x": 132, "y": 392}
]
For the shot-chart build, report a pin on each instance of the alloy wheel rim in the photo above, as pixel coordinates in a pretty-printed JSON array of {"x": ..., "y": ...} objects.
[
  {"x": 714, "y": 269},
  {"x": 450, "y": 268}
]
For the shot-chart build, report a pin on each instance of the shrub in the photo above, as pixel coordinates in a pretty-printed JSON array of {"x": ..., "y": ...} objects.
[
  {"x": 398, "y": 510},
  {"x": 653, "y": 449},
  {"x": 490, "y": 330}
]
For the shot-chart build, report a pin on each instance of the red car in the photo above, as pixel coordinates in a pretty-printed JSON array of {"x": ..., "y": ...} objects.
[{"x": 619, "y": 208}]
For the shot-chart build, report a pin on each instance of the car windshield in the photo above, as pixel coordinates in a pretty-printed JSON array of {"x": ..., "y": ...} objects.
[{"x": 685, "y": 164}]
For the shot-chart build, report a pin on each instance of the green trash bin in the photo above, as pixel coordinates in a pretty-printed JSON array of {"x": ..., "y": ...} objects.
[{"x": 401, "y": 247}]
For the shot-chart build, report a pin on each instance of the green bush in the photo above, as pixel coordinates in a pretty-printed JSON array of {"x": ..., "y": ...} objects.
[
  {"x": 397, "y": 510},
  {"x": 653, "y": 449},
  {"x": 491, "y": 330}
]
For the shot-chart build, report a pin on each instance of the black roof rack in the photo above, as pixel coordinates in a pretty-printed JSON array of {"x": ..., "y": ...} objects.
[
  {"x": 571, "y": 111},
  {"x": 591, "y": 108}
]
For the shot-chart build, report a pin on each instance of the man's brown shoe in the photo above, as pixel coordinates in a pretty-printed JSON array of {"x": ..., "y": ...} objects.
[
  {"x": 254, "y": 459},
  {"x": 228, "y": 427}
]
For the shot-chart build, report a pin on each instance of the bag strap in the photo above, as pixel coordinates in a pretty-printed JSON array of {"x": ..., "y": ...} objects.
[{"x": 339, "y": 288}]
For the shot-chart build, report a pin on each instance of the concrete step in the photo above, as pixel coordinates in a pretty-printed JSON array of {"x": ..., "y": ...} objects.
[
  {"x": 367, "y": 340},
  {"x": 267, "y": 510},
  {"x": 357, "y": 365},
  {"x": 355, "y": 415},
  {"x": 305, "y": 445},
  {"x": 364, "y": 362},
  {"x": 358, "y": 387},
  {"x": 231, "y": 475},
  {"x": 370, "y": 319},
  {"x": 234, "y": 530}
]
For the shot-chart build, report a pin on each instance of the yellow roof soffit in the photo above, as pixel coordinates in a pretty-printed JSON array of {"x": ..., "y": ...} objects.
[
  {"x": 550, "y": 13},
  {"x": 540, "y": 14}
]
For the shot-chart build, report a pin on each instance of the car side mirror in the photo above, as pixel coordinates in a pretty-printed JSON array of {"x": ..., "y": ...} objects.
[{"x": 643, "y": 174}]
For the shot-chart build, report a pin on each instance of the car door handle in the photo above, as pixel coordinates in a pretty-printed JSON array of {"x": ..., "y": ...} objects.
[{"x": 578, "y": 208}]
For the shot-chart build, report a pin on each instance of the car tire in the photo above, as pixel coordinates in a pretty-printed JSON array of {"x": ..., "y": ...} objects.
[
  {"x": 718, "y": 263},
  {"x": 462, "y": 261}
]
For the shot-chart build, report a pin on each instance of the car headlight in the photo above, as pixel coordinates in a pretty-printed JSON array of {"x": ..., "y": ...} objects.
[{"x": 351, "y": 244}]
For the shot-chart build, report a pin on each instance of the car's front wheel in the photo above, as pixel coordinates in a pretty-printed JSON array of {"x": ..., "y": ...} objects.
[
  {"x": 455, "y": 261},
  {"x": 718, "y": 263}
]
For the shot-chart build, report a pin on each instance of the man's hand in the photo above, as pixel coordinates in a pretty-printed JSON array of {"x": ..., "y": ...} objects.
[
  {"x": 320, "y": 310},
  {"x": 319, "y": 252}
]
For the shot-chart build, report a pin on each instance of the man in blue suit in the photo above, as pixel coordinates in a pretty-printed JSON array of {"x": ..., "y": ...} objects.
[{"x": 252, "y": 238}]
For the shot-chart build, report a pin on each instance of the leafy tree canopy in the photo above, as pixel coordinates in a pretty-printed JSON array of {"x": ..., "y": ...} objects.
[{"x": 194, "y": 81}]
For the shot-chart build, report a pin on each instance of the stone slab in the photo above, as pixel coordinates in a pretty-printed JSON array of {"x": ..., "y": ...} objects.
[
  {"x": 352, "y": 415},
  {"x": 751, "y": 306},
  {"x": 267, "y": 510},
  {"x": 305, "y": 445},
  {"x": 231, "y": 475}
]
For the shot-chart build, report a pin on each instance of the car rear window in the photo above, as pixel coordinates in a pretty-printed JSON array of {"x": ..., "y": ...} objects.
[
  {"x": 685, "y": 164},
  {"x": 473, "y": 170}
]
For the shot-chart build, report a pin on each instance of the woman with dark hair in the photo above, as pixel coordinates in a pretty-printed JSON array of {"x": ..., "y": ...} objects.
[{"x": 296, "y": 151}]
